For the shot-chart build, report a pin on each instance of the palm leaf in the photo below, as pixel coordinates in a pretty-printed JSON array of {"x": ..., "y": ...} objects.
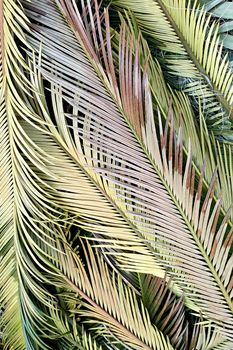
[
  {"x": 108, "y": 301},
  {"x": 21, "y": 317},
  {"x": 69, "y": 333},
  {"x": 156, "y": 296},
  {"x": 164, "y": 215},
  {"x": 205, "y": 148},
  {"x": 169, "y": 314},
  {"x": 191, "y": 50},
  {"x": 12, "y": 20}
]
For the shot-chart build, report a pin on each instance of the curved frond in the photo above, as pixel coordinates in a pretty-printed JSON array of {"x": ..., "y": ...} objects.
[
  {"x": 93, "y": 151},
  {"x": 192, "y": 52},
  {"x": 12, "y": 20},
  {"x": 169, "y": 314},
  {"x": 205, "y": 149},
  {"x": 20, "y": 278},
  {"x": 166, "y": 311},
  {"x": 108, "y": 301}
]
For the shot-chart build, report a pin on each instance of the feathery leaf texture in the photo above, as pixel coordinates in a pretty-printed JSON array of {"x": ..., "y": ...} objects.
[
  {"x": 10, "y": 60},
  {"x": 205, "y": 149},
  {"x": 92, "y": 140},
  {"x": 162, "y": 185},
  {"x": 192, "y": 50},
  {"x": 110, "y": 302}
]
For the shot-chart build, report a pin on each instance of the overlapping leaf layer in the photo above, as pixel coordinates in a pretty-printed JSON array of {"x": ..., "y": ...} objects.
[{"x": 115, "y": 202}]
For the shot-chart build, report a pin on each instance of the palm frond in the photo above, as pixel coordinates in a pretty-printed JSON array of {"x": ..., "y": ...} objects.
[
  {"x": 66, "y": 340},
  {"x": 222, "y": 12},
  {"x": 168, "y": 313},
  {"x": 205, "y": 148},
  {"x": 69, "y": 333},
  {"x": 156, "y": 296},
  {"x": 12, "y": 20},
  {"x": 165, "y": 210},
  {"x": 191, "y": 51},
  {"x": 108, "y": 301},
  {"x": 20, "y": 278},
  {"x": 76, "y": 197}
]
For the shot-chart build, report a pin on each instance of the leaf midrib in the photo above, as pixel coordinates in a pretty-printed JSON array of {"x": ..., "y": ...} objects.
[
  {"x": 198, "y": 65},
  {"x": 173, "y": 197},
  {"x": 196, "y": 167},
  {"x": 107, "y": 315}
]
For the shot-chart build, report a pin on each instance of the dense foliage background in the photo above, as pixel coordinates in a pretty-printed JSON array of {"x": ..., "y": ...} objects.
[{"x": 116, "y": 175}]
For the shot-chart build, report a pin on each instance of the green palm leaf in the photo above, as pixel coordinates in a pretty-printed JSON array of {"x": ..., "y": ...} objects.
[
  {"x": 192, "y": 50},
  {"x": 20, "y": 312},
  {"x": 69, "y": 334},
  {"x": 12, "y": 20},
  {"x": 222, "y": 11}
]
